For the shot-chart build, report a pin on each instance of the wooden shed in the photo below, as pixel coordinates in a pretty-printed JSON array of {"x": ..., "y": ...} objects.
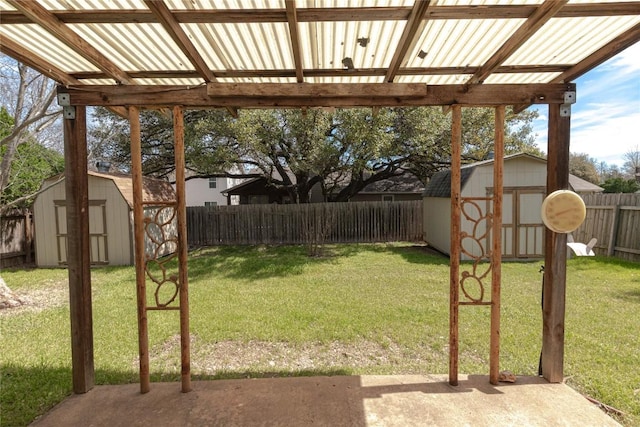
[
  {"x": 110, "y": 219},
  {"x": 525, "y": 178}
]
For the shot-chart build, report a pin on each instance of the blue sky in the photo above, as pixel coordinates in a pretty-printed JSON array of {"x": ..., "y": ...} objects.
[{"x": 605, "y": 120}]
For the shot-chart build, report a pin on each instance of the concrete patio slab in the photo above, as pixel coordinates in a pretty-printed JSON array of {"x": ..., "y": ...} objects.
[{"x": 401, "y": 400}]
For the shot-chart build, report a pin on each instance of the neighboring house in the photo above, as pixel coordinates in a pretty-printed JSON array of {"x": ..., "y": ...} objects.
[
  {"x": 395, "y": 189},
  {"x": 255, "y": 191},
  {"x": 110, "y": 219},
  {"x": 209, "y": 191},
  {"x": 524, "y": 182}
]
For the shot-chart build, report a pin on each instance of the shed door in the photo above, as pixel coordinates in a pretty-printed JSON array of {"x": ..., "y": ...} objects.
[
  {"x": 522, "y": 228},
  {"x": 530, "y": 230},
  {"x": 97, "y": 231}
]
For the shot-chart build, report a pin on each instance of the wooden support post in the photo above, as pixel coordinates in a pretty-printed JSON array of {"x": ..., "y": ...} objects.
[
  {"x": 496, "y": 245},
  {"x": 454, "y": 258},
  {"x": 138, "y": 232},
  {"x": 78, "y": 255},
  {"x": 555, "y": 256},
  {"x": 178, "y": 132}
]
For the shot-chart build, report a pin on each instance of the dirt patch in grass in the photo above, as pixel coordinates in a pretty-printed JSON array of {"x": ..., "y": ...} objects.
[
  {"x": 265, "y": 358},
  {"x": 52, "y": 293}
]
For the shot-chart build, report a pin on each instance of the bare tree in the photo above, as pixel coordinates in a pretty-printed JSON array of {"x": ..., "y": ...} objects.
[
  {"x": 631, "y": 165},
  {"x": 28, "y": 98}
]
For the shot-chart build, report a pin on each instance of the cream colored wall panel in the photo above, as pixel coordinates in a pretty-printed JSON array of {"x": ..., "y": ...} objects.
[{"x": 437, "y": 222}]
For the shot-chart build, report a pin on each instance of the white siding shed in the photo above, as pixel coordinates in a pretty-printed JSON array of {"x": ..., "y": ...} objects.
[
  {"x": 524, "y": 183},
  {"x": 110, "y": 218}
]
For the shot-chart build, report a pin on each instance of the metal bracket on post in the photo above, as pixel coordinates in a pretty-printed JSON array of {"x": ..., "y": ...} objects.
[
  {"x": 69, "y": 113},
  {"x": 64, "y": 99},
  {"x": 569, "y": 98}
]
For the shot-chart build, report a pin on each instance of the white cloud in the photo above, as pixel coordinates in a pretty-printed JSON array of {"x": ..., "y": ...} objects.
[{"x": 605, "y": 121}]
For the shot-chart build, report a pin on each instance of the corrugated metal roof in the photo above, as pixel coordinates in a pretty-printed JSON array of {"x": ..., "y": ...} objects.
[{"x": 340, "y": 41}]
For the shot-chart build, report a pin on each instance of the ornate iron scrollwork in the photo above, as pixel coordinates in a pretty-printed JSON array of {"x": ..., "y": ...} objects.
[
  {"x": 160, "y": 252},
  {"x": 473, "y": 246}
]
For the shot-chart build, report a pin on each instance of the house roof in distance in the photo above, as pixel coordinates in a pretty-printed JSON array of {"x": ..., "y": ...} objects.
[{"x": 405, "y": 183}]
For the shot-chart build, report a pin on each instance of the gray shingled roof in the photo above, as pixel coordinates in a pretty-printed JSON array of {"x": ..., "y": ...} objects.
[{"x": 440, "y": 184}]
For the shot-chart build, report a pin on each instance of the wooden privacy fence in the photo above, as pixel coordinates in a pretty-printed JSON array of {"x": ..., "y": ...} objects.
[
  {"x": 613, "y": 219},
  {"x": 306, "y": 223},
  {"x": 16, "y": 244}
]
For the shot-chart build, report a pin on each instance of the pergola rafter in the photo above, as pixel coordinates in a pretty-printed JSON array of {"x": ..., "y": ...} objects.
[
  {"x": 542, "y": 14},
  {"x": 47, "y": 20},
  {"x": 415, "y": 22}
]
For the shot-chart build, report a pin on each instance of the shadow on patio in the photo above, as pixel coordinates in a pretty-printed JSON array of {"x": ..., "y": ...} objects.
[{"x": 404, "y": 400}]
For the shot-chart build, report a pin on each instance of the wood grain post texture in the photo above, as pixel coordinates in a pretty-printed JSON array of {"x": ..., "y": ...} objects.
[
  {"x": 178, "y": 132},
  {"x": 139, "y": 256},
  {"x": 78, "y": 256},
  {"x": 454, "y": 268},
  {"x": 496, "y": 245},
  {"x": 555, "y": 258}
]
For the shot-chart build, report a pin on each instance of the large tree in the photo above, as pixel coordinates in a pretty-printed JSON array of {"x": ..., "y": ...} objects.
[
  {"x": 585, "y": 167},
  {"x": 631, "y": 166},
  {"x": 29, "y": 112},
  {"x": 344, "y": 150}
]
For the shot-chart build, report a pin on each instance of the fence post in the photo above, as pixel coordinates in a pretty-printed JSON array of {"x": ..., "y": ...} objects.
[
  {"x": 614, "y": 229},
  {"x": 28, "y": 236}
]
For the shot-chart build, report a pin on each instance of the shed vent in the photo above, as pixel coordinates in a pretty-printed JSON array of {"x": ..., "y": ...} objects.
[{"x": 103, "y": 166}]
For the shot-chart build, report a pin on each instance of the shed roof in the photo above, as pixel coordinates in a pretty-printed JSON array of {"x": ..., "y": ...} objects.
[
  {"x": 153, "y": 190},
  {"x": 440, "y": 183},
  {"x": 184, "y": 44},
  {"x": 580, "y": 185}
]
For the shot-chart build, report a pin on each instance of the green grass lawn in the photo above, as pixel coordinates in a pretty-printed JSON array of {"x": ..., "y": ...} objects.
[{"x": 364, "y": 309}]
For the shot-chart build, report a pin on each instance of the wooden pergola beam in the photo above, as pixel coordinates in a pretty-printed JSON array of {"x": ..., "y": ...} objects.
[
  {"x": 542, "y": 14},
  {"x": 611, "y": 49},
  {"x": 415, "y": 22},
  {"x": 17, "y": 52},
  {"x": 59, "y": 29},
  {"x": 173, "y": 28},
  {"x": 292, "y": 20},
  {"x": 496, "y": 11},
  {"x": 350, "y": 95},
  {"x": 330, "y": 72},
  {"x": 27, "y": 57}
]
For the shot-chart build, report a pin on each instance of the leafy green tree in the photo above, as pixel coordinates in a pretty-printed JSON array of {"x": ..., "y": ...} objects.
[
  {"x": 32, "y": 163},
  {"x": 344, "y": 150},
  {"x": 26, "y": 97},
  {"x": 620, "y": 185},
  {"x": 583, "y": 166}
]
